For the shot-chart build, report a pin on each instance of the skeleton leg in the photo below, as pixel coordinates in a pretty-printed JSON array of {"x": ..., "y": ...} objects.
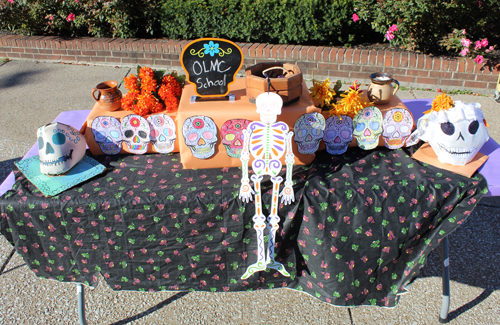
[
  {"x": 272, "y": 225},
  {"x": 259, "y": 225}
]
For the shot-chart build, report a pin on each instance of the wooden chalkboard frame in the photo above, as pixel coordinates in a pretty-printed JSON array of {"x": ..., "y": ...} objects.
[{"x": 188, "y": 47}]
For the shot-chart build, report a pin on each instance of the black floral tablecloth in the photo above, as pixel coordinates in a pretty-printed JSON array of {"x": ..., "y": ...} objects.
[{"x": 361, "y": 226}]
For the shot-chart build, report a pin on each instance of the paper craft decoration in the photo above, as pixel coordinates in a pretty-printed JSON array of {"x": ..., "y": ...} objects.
[
  {"x": 136, "y": 133},
  {"x": 200, "y": 134},
  {"x": 107, "y": 134},
  {"x": 397, "y": 125},
  {"x": 267, "y": 141},
  {"x": 455, "y": 134},
  {"x": 309, "y": 129},
  {"x": 211, "y": 64},
  {"x": 232, "y": 136},
  {"x": 85, "y": 169},
  {"x": 338, "y": 134},
  {"x": 60, "y": 147},
  {"x": 162, "y": 132},
  {"x": 367, "y": 124}
]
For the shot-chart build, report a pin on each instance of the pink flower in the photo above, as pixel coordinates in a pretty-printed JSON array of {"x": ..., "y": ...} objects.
[
  {"x": 479, "y": 59},
  {"x": 355, "y": 17},
  {"x": 464, "y": 51},
  {"x": 389, "y": 36},
  {"x": 11, "y": 1},
  {"x": 71, "y": 17},
  {"x": 393, "y": 28},
  {"x": 484, "y": 42},
  {"x": 491, "y": 48},
  {"x": 464, "y": 32},
  {"x": 478, "y": 45},
  {"x": 465, "y": 42}
]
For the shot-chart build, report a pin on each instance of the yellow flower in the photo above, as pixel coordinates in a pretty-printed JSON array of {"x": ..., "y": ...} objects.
[
  {"x": 321, "y": 93},
  {"x": 441, "y": 102},
  {"x": 397, "y": 117},
  {"x": 351, "y": 102}
]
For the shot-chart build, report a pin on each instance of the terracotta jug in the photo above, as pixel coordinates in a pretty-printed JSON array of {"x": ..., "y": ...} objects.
[
  {"x": 381, "y": 90},
  {"x": 109, "y": 96}
]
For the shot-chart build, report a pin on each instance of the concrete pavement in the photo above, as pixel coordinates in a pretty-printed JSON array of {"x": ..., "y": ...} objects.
[{"x": 33, "y": 94}]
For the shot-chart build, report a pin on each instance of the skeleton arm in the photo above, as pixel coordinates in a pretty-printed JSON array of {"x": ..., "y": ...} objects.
[
  {"x": 287, "y": 195},
  {"x": 246, "y": 191}
]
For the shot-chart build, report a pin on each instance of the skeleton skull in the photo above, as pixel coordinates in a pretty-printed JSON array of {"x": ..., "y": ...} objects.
[
  {"x": 60, "y": 147},
  {"x": 367, "y": 125},
  {"x": 162, "y": 132},
  {"x": 338, "y": 134},
  {"x": 200, "y": 134},
  {"x": 397, "y": 125},
  {"x": 136, "y": 133},
  {"x": 232, "y": 136},
  {"x": 456, "y": 134},
  {"x": 107, "y": 134},
  {"x": 269, "y": 106},
  {"x": 308, "y": 131}
]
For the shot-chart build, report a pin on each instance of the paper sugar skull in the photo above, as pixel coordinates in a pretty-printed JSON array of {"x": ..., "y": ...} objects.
[
  {"x": 308, "y": 131},
  {"x": 269, "y": 106},
  {"x": 338, "y": 134},
  {"x": 232, "y": 136},
  {"x": 107, "y": 134},
  {"x": 136, "y": 133},
  {"x": 60, "y": 147},
  {"x": 367, "y": 124},
  {"x": 200, "y": 134},
  {"x": 456, "y": 134},
  {"x": 162, "y": 132},
  {"x": 397, "y": 124}
]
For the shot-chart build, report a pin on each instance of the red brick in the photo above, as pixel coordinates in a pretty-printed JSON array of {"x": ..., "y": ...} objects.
[
  {"x": 358, "y": 75},
  {"x": 372, "y": 57},
  {"x": 461, "y": 66},
  {"x": 252, "y": 51},
  {"x": 176, "y": 64},
  {"x": 451, "y": 82},
  {"x": 282, "y": 52},
  {"x": 307, "y": 65},
  {"x": 288, "y": 52},
  {"x": 445, "y": 64},
  {"x": 464, "y": 76},
  {"x": 266, "y": 52},
  {"x": 428, "y": 62},
  {"x": 296, "y": 52},
  {"x": 363, "y": 59},
  {"x": 113, "y": 60},
  {"x": 348, "y": 56},
  {"x": 380, "y": 57},
  {"x": 245, "y": 49},
  {"x": 388, "y": 58},
  {"x": 328, "y": 66},
  {"x": 60, "y": 52},
  {"x": 302, "y": 53},
  {"x": 440, "y": 74},
  {"x": 369, "y": 69},
  {"x": 13, "y": 55},
  {"x": 334, "y": 52},
  {"x": 249, "y": 61},
  {"x": 68, "y": 58},
  {"x": 40, "y": 56},
  {"x": 130, "y": 61},
  {"x": 318, "y": 54},
  {"x": 146, "y": 62},
  {"x": 427, "y": 81},
  {"x": 396, "y": 57},
  {"x": 349, "y": 67},
  {"x": 98, "y": 59},
  {"x": 273, "y": 51},
  {"x": 401, "y": 78},
  {"x": 135, "y": 55},
  {"x": 412, "y": 60},
  {"x": 487, "y": 77},
  {"x": 453, "y": 65},
  {"x": 475, "y": 84},
  {"x": 310, "y": 52},
  {"x": 420, "y": 61},
  {"x": 18, "y": 50},
  {"x": 83, "y": 58},
  {"x": 45, "y": 51},
  {"x": 153, "y": 55},
  {"x": 54, "y": 57},
  {"x": 492, "y": 85},
  {"x": 418, "y": 73},
  {"x": 163, "y": 62},
  {"x": 317, "y": 72},
  {"x": 103, "y": 53},
  {"x": 74, "y": 52},
  {"x": 89, "y": 53},
  {"x": 395, "y": 71},
  {"x": 340, "y": 55},
  {"x": 337, "y": 74},
  {"x": 259, "y": 51},
  {"x": 118, "y": 54},
  {"x": 355, "y": 56}
]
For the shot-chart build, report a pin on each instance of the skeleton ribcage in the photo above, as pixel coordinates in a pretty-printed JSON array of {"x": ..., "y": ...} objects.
[{"x": 267, "y": 146}]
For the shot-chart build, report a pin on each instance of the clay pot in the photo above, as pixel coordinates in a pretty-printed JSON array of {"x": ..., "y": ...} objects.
[
  {"x": 109, "y": 96},
  {"x": 381, "y": 90}
]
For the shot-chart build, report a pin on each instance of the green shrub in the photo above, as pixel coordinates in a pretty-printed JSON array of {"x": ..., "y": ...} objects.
[{"x": 423, "y": 24}]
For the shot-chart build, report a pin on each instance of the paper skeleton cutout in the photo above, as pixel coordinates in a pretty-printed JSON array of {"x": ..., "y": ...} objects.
[
  {"x": 60, "y": 147},
  {"x": 455, "y": 135},
  {"x": 136, "y": 133},
  {"x": 367, "y": 125},
  {"x": 338, "y": 134},
  {"x": 397, "y": 124},
  {"x": 232, "y": 136},
  {"x": 309, "y": 130},
  {"x": 267, "y": 141},
  {"x": 107, "y": 134},
  {"x": 200, "y": 134},
  {"x": 162, "y": 132}
]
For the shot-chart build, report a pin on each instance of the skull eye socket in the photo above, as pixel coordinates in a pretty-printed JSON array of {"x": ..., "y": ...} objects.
[
  {"x": 330, "y": 134},
  {"x": 142, "y": 134},
  {"x": 374, "y": 125},
  {"x": 58, "y": 138},
  {"x": 302, "y": 133},
  {"x": 40, "y": 143},
  {"x": 390, "y": 129},
  {"x": 168, "y": 132},
  {"x": 404, "y": 128},
  {"x": 345, "y": 134},
  {"x": 448, "y": 128},
  {"x": 100, "y": 135},
  {"x": 473, "y": 127},
  {"x": 208, "y": 135},
  {"x": 129, "y": 133},
  {"x": 316, "y": 132},
  {"x": 230, "y": 137},
  {"x": 360, "y": 127}
]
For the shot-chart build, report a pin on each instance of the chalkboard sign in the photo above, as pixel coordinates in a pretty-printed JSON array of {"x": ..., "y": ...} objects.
[{"x": 211, "y": 65}]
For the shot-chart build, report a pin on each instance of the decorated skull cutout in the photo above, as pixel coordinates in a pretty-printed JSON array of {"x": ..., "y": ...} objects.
[
  {"x": 107, "y": 134},
  {"x": 269, "y": 106},
  {"x": 309, "y": 130},
  {"x": 162, "y": 132},
  {"x": 367, "y": 126},
  {"x": 232, "y": 136},
  {"x": 200, "y": 134},
  {"x": 60, "y": 147},
  {"x": 456, "y": 135},
  {"x": 338, "y": 134},
  {"x": 397, "y": 124},
  {"x": 136, "y": 133}
]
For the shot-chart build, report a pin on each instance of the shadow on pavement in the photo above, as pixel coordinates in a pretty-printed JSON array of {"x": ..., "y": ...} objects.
[{"x": 17, "y": 79}]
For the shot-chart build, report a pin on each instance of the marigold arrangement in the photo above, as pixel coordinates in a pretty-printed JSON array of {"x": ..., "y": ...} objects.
[
  {"x": 351, "y": 102},
  {"x": 441, "y": 102},
  {"x": 152, "y": 91},
  {"x": 322, "y": 94}
]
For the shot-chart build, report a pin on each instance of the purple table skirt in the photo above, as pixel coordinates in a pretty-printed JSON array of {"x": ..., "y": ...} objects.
[{"x": 490, "y": 170}]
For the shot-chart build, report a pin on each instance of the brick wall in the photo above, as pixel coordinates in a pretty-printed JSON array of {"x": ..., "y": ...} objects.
[{"x": 410, "y": 69}]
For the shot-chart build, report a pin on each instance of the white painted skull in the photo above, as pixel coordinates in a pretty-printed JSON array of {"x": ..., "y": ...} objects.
[
  {"x": 232, "y": 136},
  {"x": 308, "y": 130},
  {"x": 60, "y": 147},
  {"x": 107, "y": 134},
  {"x": 163, "y": 133},
  {"x": 456, "y": 135},
  {"x": 338, "y": 134},
  {"x": 200, "y": 134},
  {"x": 269, "y": 106},
  {"x": 136, "y": 133},
  {"x": 397, "y": 124},
  {"x": 367, "y": 124}
]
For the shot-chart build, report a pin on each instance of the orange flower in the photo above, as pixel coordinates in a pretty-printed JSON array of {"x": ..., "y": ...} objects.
[
  {"x": 131, "y": 82},
  {"x": 351, "y": 102},
  {"x": 441, "y": 102}
]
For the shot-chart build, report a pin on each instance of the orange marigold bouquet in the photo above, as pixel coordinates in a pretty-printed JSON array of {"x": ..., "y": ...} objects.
[{"x": 152, "y": 91}]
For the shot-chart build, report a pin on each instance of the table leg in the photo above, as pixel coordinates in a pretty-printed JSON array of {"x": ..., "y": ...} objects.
[
  {"x": 81, "y": 304},
  {"x": 445, "y": 265}
]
